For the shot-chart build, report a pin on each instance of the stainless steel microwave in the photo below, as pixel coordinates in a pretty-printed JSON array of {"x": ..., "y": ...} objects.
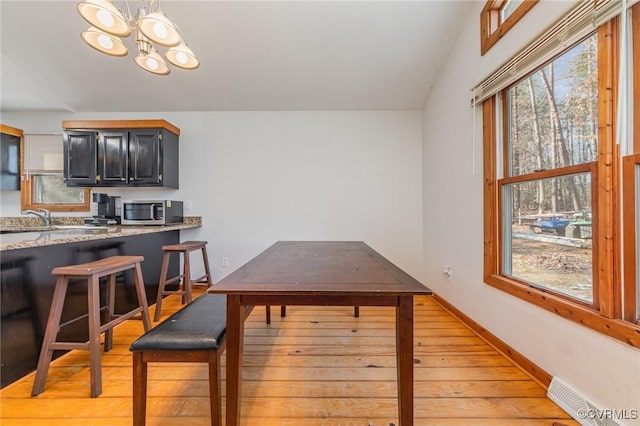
[{"x": 152, "y": 212}]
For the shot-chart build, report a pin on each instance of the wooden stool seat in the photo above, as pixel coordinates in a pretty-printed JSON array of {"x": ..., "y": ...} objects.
[
  {"x": 91, "y": 272},
  {"x": 185, "y": 283}
]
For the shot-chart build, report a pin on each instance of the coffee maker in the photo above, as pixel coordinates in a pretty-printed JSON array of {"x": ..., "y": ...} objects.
[{"x": 106, "y": 210}]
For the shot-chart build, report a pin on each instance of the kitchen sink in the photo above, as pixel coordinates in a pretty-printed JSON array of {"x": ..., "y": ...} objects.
[{"x": 13, "y": 229}]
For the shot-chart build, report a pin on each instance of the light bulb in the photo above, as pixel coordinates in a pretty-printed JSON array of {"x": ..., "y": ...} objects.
[
  {"x": 152, "y": 63},
  {"x": 160, "y": 30},
  {"x": 182, "y": 57},
  {"x": 105, "y": 18},
  {"x": 105, "y": 41}
]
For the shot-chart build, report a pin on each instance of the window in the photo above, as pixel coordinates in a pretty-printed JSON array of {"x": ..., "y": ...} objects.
[
  {"x": 553, "y": 195},
  {"x": 631, "y": 220},
  {"x": 631, "y": 191},
  {"x": 42, "y": 185},
  {"x": 498, "y": 17},
  {"x": 551, "y": 145}
]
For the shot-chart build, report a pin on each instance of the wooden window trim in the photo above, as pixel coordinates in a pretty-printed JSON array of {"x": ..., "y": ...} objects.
[
  {"x": 630, "y": 213},
  {"x": 606, "y": 178},
  {"x": 27, "y": 191},
  {"x": 631, "y": 310},
  {"x": 605, "y": 314},
  {"x": 26, "y": 195},
  {"x": 635, "y": 28},
  {"x": 491, "y": 29}
]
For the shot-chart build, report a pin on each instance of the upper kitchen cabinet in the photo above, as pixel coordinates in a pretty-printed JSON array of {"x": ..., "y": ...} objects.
[
  {"x": 10, "y": 158},
  {"x": 121, "y": 153}
]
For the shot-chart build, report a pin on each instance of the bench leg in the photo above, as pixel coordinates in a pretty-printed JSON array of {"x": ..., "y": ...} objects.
[
  {"x": 95, "y": 363},
  {"x": 186, "y": 280},
  {"x": 53, "y": 325},
  {"x": 163, "y": 277},
  {"x": 111, "y": 298},
  {"x": 215, "y": 392},
  {"x": 138, "y": 281},
  {"x": 207, "y": 270},
  {"x": 139, "y": 389}
]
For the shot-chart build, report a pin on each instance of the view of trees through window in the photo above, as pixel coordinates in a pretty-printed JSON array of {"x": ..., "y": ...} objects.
[
  {"x": 50, "y": 189},
  {"x": 552, "y": 128}
]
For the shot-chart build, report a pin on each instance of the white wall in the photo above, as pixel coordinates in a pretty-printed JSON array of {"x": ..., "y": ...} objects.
[
  {"x": 259, "y": 177},
  {"x": 603, "y": 369}
]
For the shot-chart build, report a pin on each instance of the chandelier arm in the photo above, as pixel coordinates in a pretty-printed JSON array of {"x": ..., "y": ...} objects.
[{"x": 129, "y": 14}]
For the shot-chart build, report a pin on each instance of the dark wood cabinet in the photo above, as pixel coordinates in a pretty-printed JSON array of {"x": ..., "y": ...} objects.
[
  {"x": 121, "y": 153},
  {"x": 113, "y": 157},
  {"x": 10, "y": 158},
  {"x": 80, "y": 149}
]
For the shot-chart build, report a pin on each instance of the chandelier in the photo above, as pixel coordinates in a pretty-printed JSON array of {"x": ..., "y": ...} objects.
[{"x": 149, "y": 24}]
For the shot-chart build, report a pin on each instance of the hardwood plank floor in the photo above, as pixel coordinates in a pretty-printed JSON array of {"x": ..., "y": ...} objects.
[{"x": 319, "y": 366}]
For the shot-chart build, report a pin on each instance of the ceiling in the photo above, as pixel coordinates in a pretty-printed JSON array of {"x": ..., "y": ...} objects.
[{"x": 255, "y": 55}]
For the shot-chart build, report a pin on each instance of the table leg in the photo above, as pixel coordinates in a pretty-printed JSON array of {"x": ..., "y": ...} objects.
[
  {"x": 404, "y": 354},
  {"x": 235, "y": 333}
]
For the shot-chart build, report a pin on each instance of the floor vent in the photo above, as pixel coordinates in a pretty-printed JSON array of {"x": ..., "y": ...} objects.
[{"x": 578, "y": 407}]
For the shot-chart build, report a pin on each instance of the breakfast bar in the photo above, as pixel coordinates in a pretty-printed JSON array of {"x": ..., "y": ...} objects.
[
  {"x": 29, "y": 254},
  {"x": 326, "y": 274}
]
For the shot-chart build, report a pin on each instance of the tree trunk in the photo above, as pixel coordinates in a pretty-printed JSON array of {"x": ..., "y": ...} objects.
[
  {"x": 539, "y": 149},
  {"x": 558, "y": 137}
]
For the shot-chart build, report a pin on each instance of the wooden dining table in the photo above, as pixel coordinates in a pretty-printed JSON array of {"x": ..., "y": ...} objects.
[{"x": 322, "y": 273}]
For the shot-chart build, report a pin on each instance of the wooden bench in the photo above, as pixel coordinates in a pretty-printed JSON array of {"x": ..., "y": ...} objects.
[{"x": 196, "y": 333}]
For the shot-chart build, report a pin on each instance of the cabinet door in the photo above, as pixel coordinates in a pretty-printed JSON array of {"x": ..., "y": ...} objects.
[
  {"x": 145, "y": 157},
  {"x": 113, "y": 164},
  {"x": 79, "y": 148},
  {"x": 10, "y": 162}
]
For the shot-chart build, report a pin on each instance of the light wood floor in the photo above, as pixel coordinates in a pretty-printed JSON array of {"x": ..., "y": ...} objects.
[{"x": 317, "y": 366}]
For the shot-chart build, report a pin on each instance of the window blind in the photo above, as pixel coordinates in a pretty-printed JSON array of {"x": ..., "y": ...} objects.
[
  {"x": 580, "y": 21},
  {"x": 43, "y": 154}
]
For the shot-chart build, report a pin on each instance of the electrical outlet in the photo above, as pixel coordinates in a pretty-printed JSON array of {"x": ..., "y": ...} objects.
[
  {"x": 447, "y": 271},
  {"x": 187, "y": 205},
  {"x": 225, "y": 262}
]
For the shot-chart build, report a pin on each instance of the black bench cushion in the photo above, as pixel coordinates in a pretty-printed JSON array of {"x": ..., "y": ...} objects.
[{"x": 200, "y": 325}]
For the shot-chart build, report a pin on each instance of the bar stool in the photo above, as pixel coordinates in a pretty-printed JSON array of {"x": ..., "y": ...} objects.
[
  {"x": 92, "y": 272},
  {"x": 184, "y": 279}
]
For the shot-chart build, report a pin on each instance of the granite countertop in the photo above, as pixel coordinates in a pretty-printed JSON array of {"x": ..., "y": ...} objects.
[{"x": 62, "y": 232}]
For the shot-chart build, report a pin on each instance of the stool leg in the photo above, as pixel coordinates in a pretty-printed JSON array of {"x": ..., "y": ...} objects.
[
  {"x": 205, "y": 259},
  {"x": 53, "y": 324},
  {"x": 356, "y": 311},
  {"x": 111, "y": 297},
  {"x": 268, "y": 313},
  {"x": 95, "y": 364},
  {"x": 139, "y": 389},
  {"x": 142, "y": 296},
  {"x": 283, "y": 311},
  {"x": 215, "y": 394},
  {"x": 163, "y": 278},
  {"x": 186, "y": 280}
]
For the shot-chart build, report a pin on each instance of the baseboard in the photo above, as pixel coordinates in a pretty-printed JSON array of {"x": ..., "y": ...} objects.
[{"x": 538, "y": 374}]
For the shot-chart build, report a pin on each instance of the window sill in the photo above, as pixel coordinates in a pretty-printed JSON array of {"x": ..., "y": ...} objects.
[{"x": 621, "y": 330}]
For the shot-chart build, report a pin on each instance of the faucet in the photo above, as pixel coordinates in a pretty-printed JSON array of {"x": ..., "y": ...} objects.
[{"x": 45, "y": 215}]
